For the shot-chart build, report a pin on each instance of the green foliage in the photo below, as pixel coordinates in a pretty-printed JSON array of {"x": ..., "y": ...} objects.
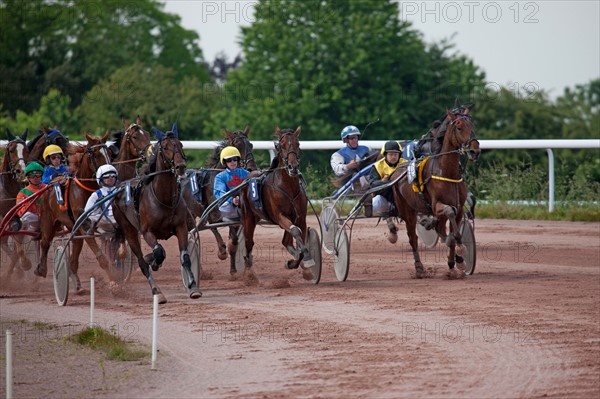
[
  {"x": 115, "y": 348},
  {"x": 326, "y": 64},
  {"x": 568, "y": 212},
  {"x": 71, "y": 45}
]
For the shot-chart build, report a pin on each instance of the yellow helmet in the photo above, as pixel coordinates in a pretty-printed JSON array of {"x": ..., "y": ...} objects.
[
  {"x": 229, "y": 152},
  {"x": 52, "y": 149}
]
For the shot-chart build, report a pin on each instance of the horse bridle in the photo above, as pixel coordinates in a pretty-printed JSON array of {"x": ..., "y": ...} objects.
[
  {"x": 288, "y": 153},
  {"x": 471, "y": 138},
  {"x": 141, "y": 152},
  {"x": 248, "y": 155},
  {"x": 170, "y": 163},
  {"x": 90, "y": 151},
  {"x": 11, "y": 164}
]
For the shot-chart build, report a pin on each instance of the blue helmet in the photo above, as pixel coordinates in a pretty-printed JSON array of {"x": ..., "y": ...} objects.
[{"x": 349, "y": 130}]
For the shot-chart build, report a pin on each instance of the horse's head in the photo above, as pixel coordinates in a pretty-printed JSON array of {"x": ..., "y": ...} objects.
[
  {"x": 54, "y": 136},
  {"x": 461, "y": 132},
  {"x": 239, "y": 139},
  {"x": 135, "y": 140},
  {"x": 169, "y": 151},
  {"x": 288, "y": 150},
  {"x": 84, "y": 160},
  {"x": 16, "y": 154}
]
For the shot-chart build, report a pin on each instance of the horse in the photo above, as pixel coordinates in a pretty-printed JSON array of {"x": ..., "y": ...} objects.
[
  {"x": 132, "y": 144},
  {"x": 439, "y": 190},
  {"x": 45, "y": 137},
  {"x": 12, "y": 171},
  {"x": 284, "y": 202},
  {"x": 84, "y": 161},
  {"x": 205, "y": 179},
  {"x": 158, "y": 211}
]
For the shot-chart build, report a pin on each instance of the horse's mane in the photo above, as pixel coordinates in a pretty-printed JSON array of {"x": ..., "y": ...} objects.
[
  {"x": 435, "y": 135},
  {"x": 118, "y": 137},
  {"x": 31, "y": 143},
  {"x": 215, "y": 158}
]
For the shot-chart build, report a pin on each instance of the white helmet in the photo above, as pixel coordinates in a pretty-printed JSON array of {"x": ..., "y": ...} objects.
[{"x": 102, "y": 170}]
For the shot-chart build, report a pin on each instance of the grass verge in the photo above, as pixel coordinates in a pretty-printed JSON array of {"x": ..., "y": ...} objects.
[{"x": 115, "y": 348}]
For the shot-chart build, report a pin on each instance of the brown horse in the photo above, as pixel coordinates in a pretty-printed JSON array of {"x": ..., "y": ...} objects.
[
  {"x": 45, "y": 137},
  {"x": 205, "y": 181},
  {"x": 284, "y": 202},
  {"x": 133, "y": 144},
  {"x": 84, "y": 161},
  {"x": 440, "y": 190},
  {"x": 12, "y": 171},
  {"x": 158, "y": 211}
]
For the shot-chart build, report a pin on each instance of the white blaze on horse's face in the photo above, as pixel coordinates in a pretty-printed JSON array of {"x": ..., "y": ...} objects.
[{"x": 20, "y": 165}]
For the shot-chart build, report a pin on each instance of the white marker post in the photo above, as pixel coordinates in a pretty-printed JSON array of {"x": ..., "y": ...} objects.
[
  {"x": 154, "y": 331},
  {"x": 9, "y": 370},
  {"x": 92, "y": 300}
]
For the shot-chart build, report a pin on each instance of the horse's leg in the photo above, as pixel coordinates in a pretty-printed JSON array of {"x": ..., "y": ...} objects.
[
  {"x": 186, "y": 263},
  {"x": 232, "y": 248},
  {"x": 47, "y": 231},
  {"x": 249, "y": 224},
  {"x": 76, "y": 247},
  {"x": 132, "y": 236},
  {"x": 454, "y": 238},
  {"x": 297, "y": 233},
  {"x": 410, "y": 219},
  {"x": 222, "y": 254},
  {"x": 158, "y": 255},
  {"x": 103, "y": 261}
]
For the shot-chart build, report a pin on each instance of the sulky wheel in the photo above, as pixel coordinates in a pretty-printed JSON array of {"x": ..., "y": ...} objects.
[
  {"x": 327, "y": 219},
  {"x": 468, "y": 240},
  {"x": 429, "y": 238},
  {"x": 122, "y": 261},
  {"x": 341, "y": 253},
  {"x": 240, "y": 252},
  {"x": 314, "y": 247},
  {"x": 61, "y": 274}
]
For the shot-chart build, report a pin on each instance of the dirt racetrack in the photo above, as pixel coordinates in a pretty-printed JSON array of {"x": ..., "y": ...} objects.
[{"x": 526, "y": 324}]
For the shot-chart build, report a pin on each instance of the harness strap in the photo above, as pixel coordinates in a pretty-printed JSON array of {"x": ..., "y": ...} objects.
[
  {"x": 447, "y": 179},
  {"x": 80, "y": 184}
]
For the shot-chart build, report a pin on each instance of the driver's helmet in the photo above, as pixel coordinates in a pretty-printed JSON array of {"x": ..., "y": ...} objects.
[
  {"x": 33, "y": 167},
  {"x": 229, "y": 152},
  {"x": 349, "y": 130},
  {"x": 50, "y": 150},
  {"x": 104, "y": 169},
  {"x": 391, "y": 146}
]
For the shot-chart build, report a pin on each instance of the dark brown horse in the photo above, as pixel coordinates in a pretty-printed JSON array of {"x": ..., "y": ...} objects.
[
  {"x": 205, "y": 181},
  {"x": 12, "y": 171},
  {"x": 442, "y": 190},
  {"x": 84, "y": 161},
  {"x": 133, "y": 144},
  {"x": 158, "y": 211},
  {"x": 45, "y": 137},
  {"x": 284, "y": 203}
]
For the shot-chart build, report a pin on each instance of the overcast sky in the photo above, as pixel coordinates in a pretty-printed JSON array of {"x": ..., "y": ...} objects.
[{"x": 537, "y": 44}]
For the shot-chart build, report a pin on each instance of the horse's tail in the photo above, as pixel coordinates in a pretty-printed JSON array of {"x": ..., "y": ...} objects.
[{"x": 368, "y": 159}]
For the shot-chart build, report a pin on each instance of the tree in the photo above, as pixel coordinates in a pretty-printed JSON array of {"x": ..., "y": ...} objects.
[
  {"x": 326, "y": 64},
  {"x": 155, "y": 93},
  {"x": 71, "y": 45}
]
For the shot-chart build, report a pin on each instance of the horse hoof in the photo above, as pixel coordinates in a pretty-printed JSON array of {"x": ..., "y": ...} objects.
[
  {"x": 195, "y": 293},
  {"x": 308, "y": 263},
  {"x": 461, "y": 250},
  {"x": 161, "y": 299},
  {"x": 455, "y": 274},
  {"x": 41, "y": 272},
  {"x": 26, "y": 264},
  {"x": 222, "y": 255},
  {"x": 291, "y": 264},
  {"x": 392, "y": 237},
  {"x": 307, "y": 274},
  {"x": 461, "y": 266}
]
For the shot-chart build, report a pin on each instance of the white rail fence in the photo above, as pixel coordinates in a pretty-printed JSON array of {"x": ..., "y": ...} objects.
[{"x": 547, "y": 145}]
